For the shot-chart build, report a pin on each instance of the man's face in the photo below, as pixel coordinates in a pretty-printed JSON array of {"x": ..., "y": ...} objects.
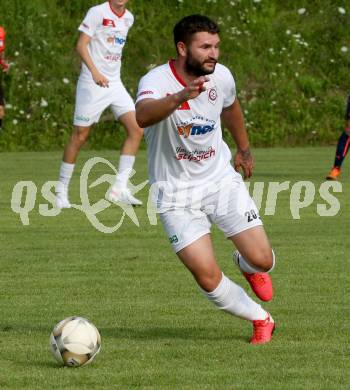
[
  {"x": 202, "y": 53},
  {"x": 118, "y": 3}
]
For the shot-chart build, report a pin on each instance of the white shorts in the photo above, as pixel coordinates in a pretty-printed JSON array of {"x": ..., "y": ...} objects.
[
  {"x": 230, "y": 208},
  {"x": 91, "y": 100}
]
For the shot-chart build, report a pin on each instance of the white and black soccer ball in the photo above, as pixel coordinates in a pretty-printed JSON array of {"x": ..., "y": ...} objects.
[{"x": 75, "y": 342}]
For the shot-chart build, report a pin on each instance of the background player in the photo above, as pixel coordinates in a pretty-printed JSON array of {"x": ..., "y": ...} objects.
[
  {"x": 101, "y": 41},
  {"x": 5, "y": 67},
  {"x": 189, "y": 165},
  {"x": 342, "y": 147}
]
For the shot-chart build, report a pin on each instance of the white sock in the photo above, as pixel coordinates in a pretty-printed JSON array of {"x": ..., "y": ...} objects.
[
  {"x": 231, "y": 298},
  {"x": 126, "y": 163},
  {"x": 247, "y": 267},
  {"x": 66, "y": 172}
]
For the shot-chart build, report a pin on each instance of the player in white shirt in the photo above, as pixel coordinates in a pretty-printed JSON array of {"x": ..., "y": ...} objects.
[
  {"x": 180, "y": 105},
  {"x": 102, "y": 37}
]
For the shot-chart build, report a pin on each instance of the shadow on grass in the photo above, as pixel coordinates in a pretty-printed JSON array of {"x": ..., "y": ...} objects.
[{"x": 163, "y": 333}]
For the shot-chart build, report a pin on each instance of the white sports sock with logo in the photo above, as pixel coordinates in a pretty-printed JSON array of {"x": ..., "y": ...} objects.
[
  {"x": 231, "y": 298},
  {"x": 66, "y": 172},
  {"x": 248, "y": 268},
  {"x": 126, "y": 163}
]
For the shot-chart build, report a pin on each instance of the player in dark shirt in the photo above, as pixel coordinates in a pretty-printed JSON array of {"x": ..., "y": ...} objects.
[{"x": 342, "y": 147}]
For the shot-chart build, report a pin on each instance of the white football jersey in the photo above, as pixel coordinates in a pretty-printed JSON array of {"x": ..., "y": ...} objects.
[
  {"x": 186, "y": 150},
  {"x": 108, "y": 33}
]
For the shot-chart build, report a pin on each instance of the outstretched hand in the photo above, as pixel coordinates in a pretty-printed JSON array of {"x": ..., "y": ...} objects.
[{"x": 244, "y": 160}]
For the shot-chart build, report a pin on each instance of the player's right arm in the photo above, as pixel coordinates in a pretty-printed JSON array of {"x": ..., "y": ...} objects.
[
  {"x": 83, "y": 51},
  {"x": 151, "y": 111}
]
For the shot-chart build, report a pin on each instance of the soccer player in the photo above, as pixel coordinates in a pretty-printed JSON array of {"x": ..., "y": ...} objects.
[
  {"x": 342, "y": 147},
  {"x": 5, "y": 67},
  {"x": 180, "y": 105},
  {"x": 102, "y": 37}
]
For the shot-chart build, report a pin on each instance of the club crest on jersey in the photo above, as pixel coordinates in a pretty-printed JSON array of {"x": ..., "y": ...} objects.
[
  {"x": 191, "y": 129},
  {"x": 108, "y": 22},
  {"x": 212, "y": 95}
]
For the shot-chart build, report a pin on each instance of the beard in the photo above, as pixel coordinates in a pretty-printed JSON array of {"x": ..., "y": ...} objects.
[{"x": 195, "y": 67}]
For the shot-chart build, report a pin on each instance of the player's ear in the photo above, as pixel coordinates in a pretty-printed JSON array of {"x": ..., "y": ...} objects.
[{"x": 181, "y": 49}]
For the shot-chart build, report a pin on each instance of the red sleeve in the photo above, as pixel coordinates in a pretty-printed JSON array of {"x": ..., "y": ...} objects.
[{"x": 2, "y": 39}]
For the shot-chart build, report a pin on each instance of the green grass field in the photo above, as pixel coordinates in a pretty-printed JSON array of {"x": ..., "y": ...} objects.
[
  {"x": 157, "y": 330},
  {"x": 291, "y": 68}
]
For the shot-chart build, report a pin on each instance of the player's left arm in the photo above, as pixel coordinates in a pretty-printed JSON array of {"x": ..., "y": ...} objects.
[{"x": 233, "y": 119}]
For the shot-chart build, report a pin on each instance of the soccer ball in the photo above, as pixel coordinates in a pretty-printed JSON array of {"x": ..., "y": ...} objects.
[{"x": 75, "y": 341}]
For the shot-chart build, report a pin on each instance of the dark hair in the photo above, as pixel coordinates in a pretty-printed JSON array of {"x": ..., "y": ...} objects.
[{"x": 189, "y": 25}]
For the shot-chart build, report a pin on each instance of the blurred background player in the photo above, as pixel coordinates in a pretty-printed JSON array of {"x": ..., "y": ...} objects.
[
  {"x": 180, "y": 105},
  {"x": 342, "y": 147},
  {"x": 5, "y": 67},
  {"x": 102, "y": 37}
]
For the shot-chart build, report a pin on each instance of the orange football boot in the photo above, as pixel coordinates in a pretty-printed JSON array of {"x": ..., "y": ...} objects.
[
  {"x": 333, "y": 174},
  {"x": 263, "y": 330}
]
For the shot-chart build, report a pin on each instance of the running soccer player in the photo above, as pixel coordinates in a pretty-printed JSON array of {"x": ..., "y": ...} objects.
[
  {"x": 342, "y": 147},
  {"x": 103, "y": 34},
  {"x": 5, "y": 67},
  {"x": 180, "y": 105}
]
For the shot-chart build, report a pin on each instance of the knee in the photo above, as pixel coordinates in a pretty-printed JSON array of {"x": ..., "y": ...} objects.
[
  {"x": 135, "y": 134},
  {"x": 264, "y": 260},
  {"x": 80, "y": 136},
  {"x": 209, "y": 280},
  {"x": 2, "y": 112}
]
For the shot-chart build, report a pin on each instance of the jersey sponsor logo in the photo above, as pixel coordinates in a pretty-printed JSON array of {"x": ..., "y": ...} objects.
[
  {"x": 116, "y": 40},
  {"x": 194, "y": 156},
  {"x": 108, "y": 22},
  {"x": 145, "y": 93},
  {"x": 184, "y": 130},
  {"x": 113, "y": 57},
  {"x": 119, "y": 40},
  {"x": 191, "y": 129}
]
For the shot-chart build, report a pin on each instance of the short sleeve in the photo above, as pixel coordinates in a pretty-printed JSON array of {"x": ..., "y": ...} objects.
[
  {"x": 149, "y": 87},
  {"x": 132, "y": 19},
  {"x": 90, "y": 23},
  {"x": 229, "y": 89}
]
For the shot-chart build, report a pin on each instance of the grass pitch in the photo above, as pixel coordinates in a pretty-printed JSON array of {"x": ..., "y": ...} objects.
[{"x": 157, "y": 330}]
